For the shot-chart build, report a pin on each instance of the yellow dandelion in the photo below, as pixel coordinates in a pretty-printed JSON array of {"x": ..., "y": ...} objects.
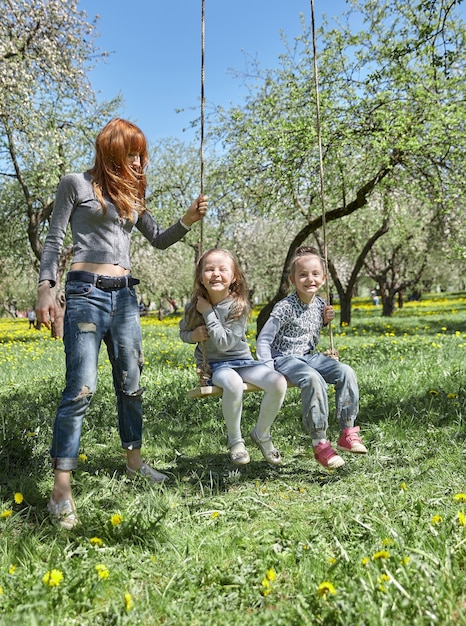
[
  {"x": 461, "y": 518},
  {"x": 53, "y": 578},
  {"x": 266, "y": 587},
  {"x": 387, "y": 541},
  {"x": 460, "y": 497},
  {"x": 83, "y": 457},
  {"x": 18, "y": 497},
  {"x": 384, "y": 578},
  {"x": 381, "y": 554},
  {"x": 436, "y": 519},
  {"x": 271, "y": 574},
  {"x": 128, "y": 601},
  {"x": 331, "y": 560},
  {"x": 1, "y": 591},
  {"x": 452, "y": 396},
  {"x": 96, "y": 541},
  {"x": 326, "y": 588},
  {"x": 433, "y": 392},
  {"x": 215, "y": 514},
  {"x": 404, "y": 486},
  {"x": 6, "y": 513},
  {"x": 116, "y": 519},
  {"x": 12, "y": 569},
  {"x": 365, "y": 560},
  {"x": 102, "y": 571},
  {"x": 406, "y": 560}
]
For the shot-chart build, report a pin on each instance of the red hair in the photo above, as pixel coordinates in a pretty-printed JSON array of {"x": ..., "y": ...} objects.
[{"x": 112, "y": 173}]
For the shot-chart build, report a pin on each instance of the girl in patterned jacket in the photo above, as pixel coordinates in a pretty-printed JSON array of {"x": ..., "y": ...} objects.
[{"x": 288, "y": 342}]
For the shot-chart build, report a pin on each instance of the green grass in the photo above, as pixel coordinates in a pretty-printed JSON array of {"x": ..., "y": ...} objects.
[{"x": 222, "y": 546}]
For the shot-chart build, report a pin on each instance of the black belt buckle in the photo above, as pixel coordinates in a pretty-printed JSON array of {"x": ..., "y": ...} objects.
[{"x": 111, "y": 282}]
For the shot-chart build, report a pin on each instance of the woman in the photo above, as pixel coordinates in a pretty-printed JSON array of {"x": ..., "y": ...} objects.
[{"x": 101, "y": 205}]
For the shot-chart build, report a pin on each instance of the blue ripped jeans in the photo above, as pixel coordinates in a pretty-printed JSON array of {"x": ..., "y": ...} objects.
[
  {"x": 311, "y": 373},
  {"x": 93, "y": 315}
]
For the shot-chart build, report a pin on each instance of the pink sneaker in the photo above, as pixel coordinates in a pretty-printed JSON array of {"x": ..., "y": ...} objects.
[
  {"x": 326, "y": 455},
  {"x": 350, "y": 441}
]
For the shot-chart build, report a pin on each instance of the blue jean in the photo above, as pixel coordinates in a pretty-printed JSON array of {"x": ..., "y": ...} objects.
[
  {"x": 93, "y": 315},
  {"x": 311, "y": 373}
]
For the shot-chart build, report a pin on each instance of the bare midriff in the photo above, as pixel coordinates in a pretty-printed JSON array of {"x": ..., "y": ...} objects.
[{"x": 104, "y": 269}]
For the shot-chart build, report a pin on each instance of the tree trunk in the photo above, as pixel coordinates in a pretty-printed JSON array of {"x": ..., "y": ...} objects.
[
  {"x": 345, "y": 307},
  {"x": 388, "y": 305}
]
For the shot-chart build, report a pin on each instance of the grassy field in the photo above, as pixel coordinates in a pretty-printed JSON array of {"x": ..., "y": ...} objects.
[{"x": 381, "y": 541}]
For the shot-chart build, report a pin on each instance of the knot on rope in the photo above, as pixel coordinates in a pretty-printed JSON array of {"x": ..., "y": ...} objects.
[
  {"x": 204, "y": 374},
  {"x": 333, "y": 354}
]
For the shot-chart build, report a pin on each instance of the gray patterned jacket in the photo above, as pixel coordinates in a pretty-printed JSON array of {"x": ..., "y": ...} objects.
[{"x": 293, "y": 328}]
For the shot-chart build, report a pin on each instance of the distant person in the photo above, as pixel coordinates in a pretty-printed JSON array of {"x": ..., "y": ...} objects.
[
  {"x": 32, "y": 318},
  {"x": 216, "y": 318},
  {"x": 288, "y": 342},
  {"x": 375, "y": 297},
  {"x": 102, "y": 206}
]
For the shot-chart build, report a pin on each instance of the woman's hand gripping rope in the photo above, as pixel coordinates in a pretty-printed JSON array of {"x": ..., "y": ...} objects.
[{"x": 196, "y": 211}]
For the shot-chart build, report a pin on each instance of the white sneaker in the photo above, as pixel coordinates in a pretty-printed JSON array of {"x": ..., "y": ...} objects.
[{"x": 147, "y": 472}]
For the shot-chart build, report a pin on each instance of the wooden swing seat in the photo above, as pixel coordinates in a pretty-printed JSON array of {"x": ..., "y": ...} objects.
[{"x": 209, "y": 391}]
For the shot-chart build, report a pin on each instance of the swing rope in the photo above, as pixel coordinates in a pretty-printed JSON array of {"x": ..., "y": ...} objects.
[
  {"x": 202, "y": 159},
  {"x": 331, "y": 352},
  {"x": 204, "y": 371}
]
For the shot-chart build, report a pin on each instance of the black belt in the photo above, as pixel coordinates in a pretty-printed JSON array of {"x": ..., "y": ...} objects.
[{"x": 103, "y": 282}]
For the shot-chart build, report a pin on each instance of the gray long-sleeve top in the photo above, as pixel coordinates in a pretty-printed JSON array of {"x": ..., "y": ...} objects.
[
  {"x": 227, "y": 337},
  {"x": 98, "y": 236}
]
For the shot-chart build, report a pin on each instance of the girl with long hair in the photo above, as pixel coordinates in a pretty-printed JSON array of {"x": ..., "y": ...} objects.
[
  {"x": 101, "y": 206},
  {"x": 216, "y": 320}
]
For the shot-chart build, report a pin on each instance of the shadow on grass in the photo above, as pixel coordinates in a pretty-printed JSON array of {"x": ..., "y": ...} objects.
[{"x": 173, "y": 422}]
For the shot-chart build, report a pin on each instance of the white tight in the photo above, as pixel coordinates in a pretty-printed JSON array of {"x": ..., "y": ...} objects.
[{"x": 231, "y": 381}]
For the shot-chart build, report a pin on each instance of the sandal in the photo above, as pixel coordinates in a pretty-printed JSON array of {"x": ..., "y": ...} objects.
[
  {"x": 63, "y": 512},
  {"x": 326, "y": 455},
  {"x": 271, "y": 456},
  {"x": 238, "y": 453},
  {"x": 146, "y": 471},
  {"x": 350, "y": 441}
]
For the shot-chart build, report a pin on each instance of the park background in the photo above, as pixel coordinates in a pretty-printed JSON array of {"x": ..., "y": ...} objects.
[{"x": 381, "y": 542}]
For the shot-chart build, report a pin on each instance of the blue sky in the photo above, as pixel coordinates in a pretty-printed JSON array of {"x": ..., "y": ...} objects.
[{"x": 155, "y": 52}]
